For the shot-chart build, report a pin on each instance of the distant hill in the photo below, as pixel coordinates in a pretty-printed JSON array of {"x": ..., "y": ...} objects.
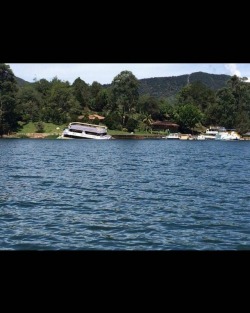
[
  {"x": 21, "y": 82},
  {"x": 169, "y": 86}
]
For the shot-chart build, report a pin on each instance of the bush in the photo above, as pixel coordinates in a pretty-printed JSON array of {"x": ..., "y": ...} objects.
[
  {"x": 39, "y": 127},
  {"x": 131, "y": 125},
  {"x": 113, "y": 121}
]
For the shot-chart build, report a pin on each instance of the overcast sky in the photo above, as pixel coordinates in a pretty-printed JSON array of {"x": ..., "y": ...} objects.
[{"x": 104, "y": 73}]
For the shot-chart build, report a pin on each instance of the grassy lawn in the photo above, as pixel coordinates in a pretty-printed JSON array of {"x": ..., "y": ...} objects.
[
  {"x": 48, "y": 128},
  {"x": 117, "y": 132},
  {"x": 148, "y": 134},
  {"x": 52, "y": 129}
]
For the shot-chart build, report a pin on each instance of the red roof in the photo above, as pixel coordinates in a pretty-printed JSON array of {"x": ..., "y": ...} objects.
[{"x": 94, "y": 116}]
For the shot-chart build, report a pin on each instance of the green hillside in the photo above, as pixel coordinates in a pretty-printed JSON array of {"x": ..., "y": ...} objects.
[
  {"x": 169, "y": 86},
  {"x": 21, "y": 82}
]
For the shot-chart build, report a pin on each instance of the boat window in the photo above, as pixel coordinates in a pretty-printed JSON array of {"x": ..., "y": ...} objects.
[
  {"x": 92, "y": 133},
  {"x": 76, "y": 130}
]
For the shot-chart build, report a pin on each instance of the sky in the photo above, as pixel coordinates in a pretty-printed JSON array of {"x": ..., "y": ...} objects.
[{"x": 104, "y": 73}]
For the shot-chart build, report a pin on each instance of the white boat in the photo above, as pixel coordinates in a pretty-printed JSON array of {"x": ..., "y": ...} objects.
[
  {"x": 201, "y": 137},
  {"x": 214, "y": 130},
  {"x": 227, "y": 136},
  {"x": 205, "y": 137},
  {"x": 173, "y": 136},
  {"x": 211, "y": 133},
  {"x": 77, "y": 130}
]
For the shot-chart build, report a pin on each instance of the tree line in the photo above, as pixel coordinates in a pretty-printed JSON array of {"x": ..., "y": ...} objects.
[{"x": 60, "y": 102}]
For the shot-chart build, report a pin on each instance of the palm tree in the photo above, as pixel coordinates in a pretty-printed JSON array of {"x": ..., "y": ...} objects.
[{"x": 148, "y": 122}]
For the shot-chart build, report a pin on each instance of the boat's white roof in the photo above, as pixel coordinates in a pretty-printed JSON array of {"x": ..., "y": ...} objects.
[
  {"x": 86, "y": 124},
  {"x": 88, "y": 128}
]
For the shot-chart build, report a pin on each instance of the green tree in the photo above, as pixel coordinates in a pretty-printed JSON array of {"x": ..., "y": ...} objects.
[
  {"x": 8, "y": 90},
  {"x": 198, "y": 94},
  {"x": 243, "y": 122},
  {"x": 241, "y": 92},
  {"x": 166, "y": 109},
  {"x": 147, "y": 121},
  {"x": 124, "y": 89},
  {"x": 114, "y": 120},
  {"x": 81, "y": 91},
  {"x": 131, "y": 124},
  {"x": 233, "y": 105},
  {"x": 149, "y": 105},
  {"x": 101, "y": 101},
  {"x": 187, "y": 116},
  {"x": 39, "y": 127},
  {"x": 29, "y": 104},
  {"x": 95, "y": 88},
  {"x": 43, "y": 87},
  {"x": 226, "y": 110},
  {"x": 62, "y": 105}
]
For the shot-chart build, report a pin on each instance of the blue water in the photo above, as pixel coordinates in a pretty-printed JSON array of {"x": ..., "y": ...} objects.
[{"x": 124, "y": 195}]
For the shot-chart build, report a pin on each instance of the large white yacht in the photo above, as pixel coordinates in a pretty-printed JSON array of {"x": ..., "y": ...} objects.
[
  {"x": 219, "y": 133},
  {"x": 77, "y": 130},
  {"x": 211, "y": 133}
]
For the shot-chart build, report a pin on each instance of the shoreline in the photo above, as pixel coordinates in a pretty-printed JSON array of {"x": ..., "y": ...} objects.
[
  {"x": 126, "y": 137},
  {"x": 55, "y": 135}
]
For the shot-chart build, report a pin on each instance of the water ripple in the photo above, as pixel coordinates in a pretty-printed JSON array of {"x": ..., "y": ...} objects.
[{"x": 124, "y": 195}]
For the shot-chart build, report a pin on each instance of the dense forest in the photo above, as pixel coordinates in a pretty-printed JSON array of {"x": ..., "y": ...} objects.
[{"x": 129, "y": 104}]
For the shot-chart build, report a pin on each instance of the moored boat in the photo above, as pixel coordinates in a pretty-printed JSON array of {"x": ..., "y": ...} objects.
[
  {"x": 173, "y": 136},
  {"x": 77, "y": 130},
  {"x": 233, "y": 135}
]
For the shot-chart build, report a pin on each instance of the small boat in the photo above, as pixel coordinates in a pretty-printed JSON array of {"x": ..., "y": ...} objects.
[
  {"x": 173, "y": 136},
  {"x": 186, "y": 137},
  {"x": 201, "y": 137},
  {"x": 77, "y": 130},
  {"x": 205, "y": 137}
]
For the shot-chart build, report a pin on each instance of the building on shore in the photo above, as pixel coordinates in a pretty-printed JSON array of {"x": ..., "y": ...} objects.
[{"x": 164, "y": 125}]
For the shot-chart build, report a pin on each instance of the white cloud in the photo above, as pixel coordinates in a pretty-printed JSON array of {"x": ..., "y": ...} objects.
[{"x": 233, "y": 70}]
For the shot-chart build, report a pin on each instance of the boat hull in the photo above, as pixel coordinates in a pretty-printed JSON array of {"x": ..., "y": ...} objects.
[{"x": 78, "y": 136}]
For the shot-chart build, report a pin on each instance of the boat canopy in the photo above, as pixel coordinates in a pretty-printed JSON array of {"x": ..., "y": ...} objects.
[{"x": 88, "y": 129}]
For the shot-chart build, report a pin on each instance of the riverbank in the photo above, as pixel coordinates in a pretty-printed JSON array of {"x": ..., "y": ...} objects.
[
  {"x": 129, "y": 136},
  {"x": 32, "y": 135},
  {"x": 115, "y": 136},
  {"x": 55, "y": 135}
]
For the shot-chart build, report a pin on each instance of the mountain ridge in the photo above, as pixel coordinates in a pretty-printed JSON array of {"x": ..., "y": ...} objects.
[
  {"x": 21, "y": 82},
  {"x": 164, "y": 87},
  {"x": 168, "y": 86}
]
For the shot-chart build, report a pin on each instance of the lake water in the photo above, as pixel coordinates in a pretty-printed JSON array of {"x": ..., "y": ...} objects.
[{"x": 124, "y": 195}]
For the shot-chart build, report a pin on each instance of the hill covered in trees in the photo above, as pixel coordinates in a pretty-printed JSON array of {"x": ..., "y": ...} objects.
[
  {"x": 21, "y": 82},
  {"x": 164, "y": 87}
]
